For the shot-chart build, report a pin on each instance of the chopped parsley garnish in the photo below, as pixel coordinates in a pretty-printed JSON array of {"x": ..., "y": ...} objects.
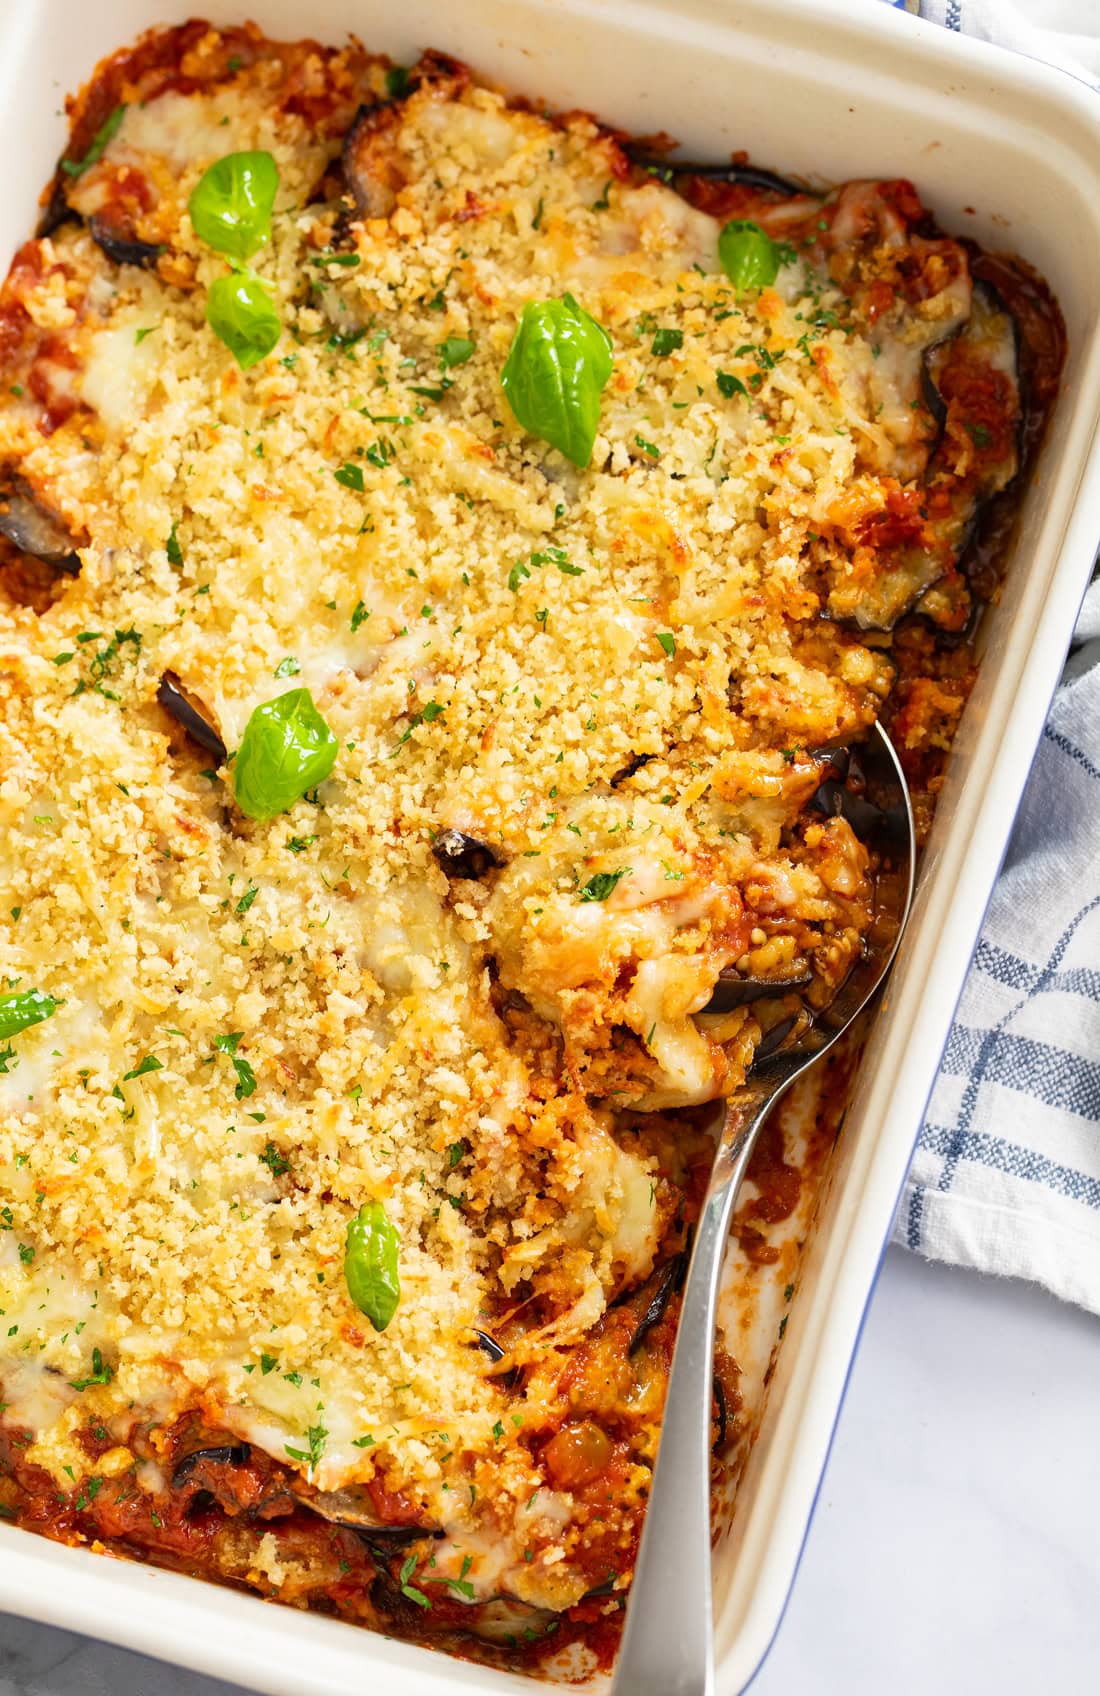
[
  {"x": 410, "y": 1590},
  {"x": 246, "y": 1077},
  {"x": 288, "y": 667},
  {"x": 647, "y": 447},
  {"x": 247, "y": 898},
  {"x": 359, "y": 615},
  {"x": 456, "y": 350},
  {"x": 729, "y": 385},
  {"x": 667, "y": 641},
  {"x": 539, "y": 558},
  {"x": 666, "y": 342},
  {"x": 462, "y": 1583},
  {"x": 101, "y": 1373},
  {"x": 429, "y": 712},
  {"x": 600, "y": 885},
  {"x": 143, "y": 1067},
  {"x": 315, "y": 1438},
  {"x": 275, "y": 1160},
  {"x": 341, "y": 340},
  {"x": 351, "y": 476}
]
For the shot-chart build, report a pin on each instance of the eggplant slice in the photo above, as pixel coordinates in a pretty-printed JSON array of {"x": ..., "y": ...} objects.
[
  {"x": 56, "y": 211},
  {"x": 733, "y": 990},
  {"x": 985, "y": 343},
  {"x": 368, "y": 166},
  {"x": 722, "y": 1421},
  {"x": 223, "y": 1454},
  {"x": 370, "y": 170},
  {"x": 29, "y": 527},
  {"x": 122, "y": 248},
  {"x": 670, "y": 1278},
  {"x": 489, "y": 1345},
  {"x": 464, "y": 856},
  {"x": 504, "y": 1620},
  {"x": 191, "y": 715},
  {"x": 353, "y": 1508},
  {"x": 750, "y": 176},
  {"x": 120, "y": 245}
]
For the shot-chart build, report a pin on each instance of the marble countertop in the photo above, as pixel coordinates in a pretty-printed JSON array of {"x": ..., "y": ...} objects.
[{"x": 954, "y": 1546}]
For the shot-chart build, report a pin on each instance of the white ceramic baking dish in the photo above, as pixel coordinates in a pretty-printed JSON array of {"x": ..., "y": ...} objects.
[{"x": 1002, "y": 148}]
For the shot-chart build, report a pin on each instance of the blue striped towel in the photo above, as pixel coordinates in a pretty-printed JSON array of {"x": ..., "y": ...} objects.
[{"x": 1006, "y": 1175}]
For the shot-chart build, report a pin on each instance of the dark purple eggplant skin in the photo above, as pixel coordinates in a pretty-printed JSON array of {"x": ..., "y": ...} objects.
[
  {"x": 753, "y": 176},
  {"x": 848, "y": 800},
  {"x": 462, "y": 856},
  {"x": 732, "y": 990},
  {"x": 33, "y": 530},
  {"x": 933, "y": 400},
  {"x": 669, "y": 1281},
  {"x": 124, "y": 250},
  {"x": 225, "y": 1454},
  {"x": 56, "y": 211},
  {"x": 352, "y": 175},
  {"x": 635, "y": 763},
  {"x": 187, "y": 716},
  {"x": 489, "y": 1345},
  {"x": 393, "y": 1535},
  {"x": 720, "y": 1398},
  {"x": 774, "y": 1039},
  {"x": 607, "y": 1588}
]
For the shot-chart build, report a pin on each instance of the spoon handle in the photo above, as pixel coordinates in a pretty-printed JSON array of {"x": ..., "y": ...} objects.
[{"x": 668, "y": 1643}]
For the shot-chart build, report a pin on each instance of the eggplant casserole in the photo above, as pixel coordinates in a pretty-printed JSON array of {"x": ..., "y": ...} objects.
[{"x": 445, "y": 554}]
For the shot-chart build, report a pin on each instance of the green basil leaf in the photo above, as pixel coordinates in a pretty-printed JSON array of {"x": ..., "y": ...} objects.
[
  {"x": 748, "y": 255},
  {"x": 232, "y": 202},
  {"x": 286, "y": 749},
  {"x": 242, "y": 314},
  {"x": 370, "y": 1264},
  {"x": 557, "y": 368},
  {"x": 26, "y": 1008},
  {"x": 106, "y": 132}
]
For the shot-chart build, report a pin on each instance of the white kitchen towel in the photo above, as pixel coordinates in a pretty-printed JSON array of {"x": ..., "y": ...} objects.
[
  {"x": 1006, "y": 1175},
  {"x": 1064, "y": 32}
]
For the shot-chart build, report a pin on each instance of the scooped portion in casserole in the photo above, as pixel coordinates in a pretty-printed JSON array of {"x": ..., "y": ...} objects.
[{"x": 443, "y": 562}]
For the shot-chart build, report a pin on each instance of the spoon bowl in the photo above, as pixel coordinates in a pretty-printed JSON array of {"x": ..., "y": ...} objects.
[{"x": 668, "y": 1641}]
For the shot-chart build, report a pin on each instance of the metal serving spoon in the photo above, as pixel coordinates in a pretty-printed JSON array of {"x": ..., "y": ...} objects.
[{"x": 668, "y": 1643}]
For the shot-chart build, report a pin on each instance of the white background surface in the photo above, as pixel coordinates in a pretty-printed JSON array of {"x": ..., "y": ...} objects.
[{"x": 955, "y": 1547}]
